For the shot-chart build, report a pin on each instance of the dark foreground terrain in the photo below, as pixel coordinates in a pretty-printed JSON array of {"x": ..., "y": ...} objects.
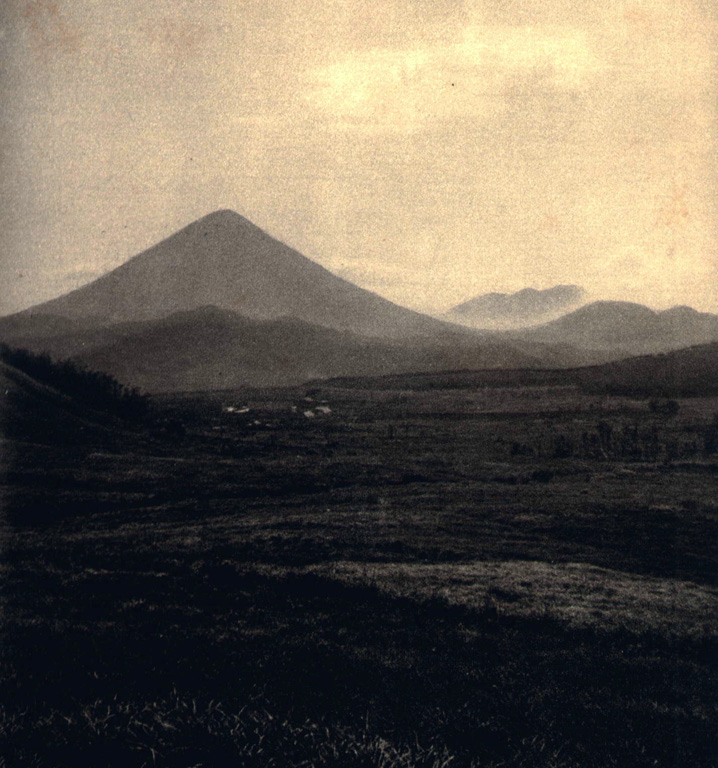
[{"x": 362, "y": 576}]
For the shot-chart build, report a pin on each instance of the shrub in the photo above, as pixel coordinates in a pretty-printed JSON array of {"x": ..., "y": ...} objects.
[{"x": 666, "y": 407}]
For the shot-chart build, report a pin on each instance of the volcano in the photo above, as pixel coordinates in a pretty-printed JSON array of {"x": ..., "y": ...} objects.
[{"x": 223, "y": 260}]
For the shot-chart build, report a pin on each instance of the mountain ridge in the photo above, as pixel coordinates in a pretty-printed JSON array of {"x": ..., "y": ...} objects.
[
  {"x": 627, "y": 328},
  {"x": 211, "y": 348}
]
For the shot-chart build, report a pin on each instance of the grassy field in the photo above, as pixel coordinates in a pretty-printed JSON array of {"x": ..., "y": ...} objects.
[{"x": 367, "y": 575}]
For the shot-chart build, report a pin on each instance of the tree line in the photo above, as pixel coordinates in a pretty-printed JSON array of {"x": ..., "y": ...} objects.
[{"x": 96, "y": 389}]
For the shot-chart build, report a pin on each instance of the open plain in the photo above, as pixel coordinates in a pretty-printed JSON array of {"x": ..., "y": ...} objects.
[{"x": 428, "y": 571}]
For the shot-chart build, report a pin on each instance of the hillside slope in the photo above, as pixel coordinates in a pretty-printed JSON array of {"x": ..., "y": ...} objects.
[
  {"x": 33, "y": 412},
  {"x": 692, "y": 371}
]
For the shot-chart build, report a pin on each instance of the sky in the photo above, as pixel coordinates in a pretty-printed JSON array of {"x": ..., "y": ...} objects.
[{"x": 428, "y": 150}]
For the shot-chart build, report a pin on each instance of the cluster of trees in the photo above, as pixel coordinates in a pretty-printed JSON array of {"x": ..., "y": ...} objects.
[
  {"x": 626, "y": 441},
  {"x": 96, "y": 390}
]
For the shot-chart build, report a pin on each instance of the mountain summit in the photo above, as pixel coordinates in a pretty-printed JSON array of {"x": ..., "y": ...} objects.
[{"x": 226, "y": 261}]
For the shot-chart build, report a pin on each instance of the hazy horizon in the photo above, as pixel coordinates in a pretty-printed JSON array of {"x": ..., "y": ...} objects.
[{"x": 429, "y": 152}]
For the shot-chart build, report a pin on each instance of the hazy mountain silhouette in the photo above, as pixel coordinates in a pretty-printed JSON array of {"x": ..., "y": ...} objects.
[
  {"x": 624, "y": 329},
  {"x": 517, "y": 310},
  {"x": 226, "y": 261}
]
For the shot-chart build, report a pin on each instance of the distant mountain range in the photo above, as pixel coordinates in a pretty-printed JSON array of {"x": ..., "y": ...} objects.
[
  {"x": 501, "y": 311},
  {"x": 211, "y": 348},
  {"x": 221, "y": 304}
]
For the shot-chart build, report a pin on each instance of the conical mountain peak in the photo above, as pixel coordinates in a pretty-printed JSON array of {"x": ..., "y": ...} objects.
[
  {"x": 224, "y": 260},
  {"x": 223, "y": 219}
]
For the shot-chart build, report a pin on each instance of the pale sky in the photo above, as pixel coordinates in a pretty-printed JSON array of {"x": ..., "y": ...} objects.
[{"x": 429, "y": 150}]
